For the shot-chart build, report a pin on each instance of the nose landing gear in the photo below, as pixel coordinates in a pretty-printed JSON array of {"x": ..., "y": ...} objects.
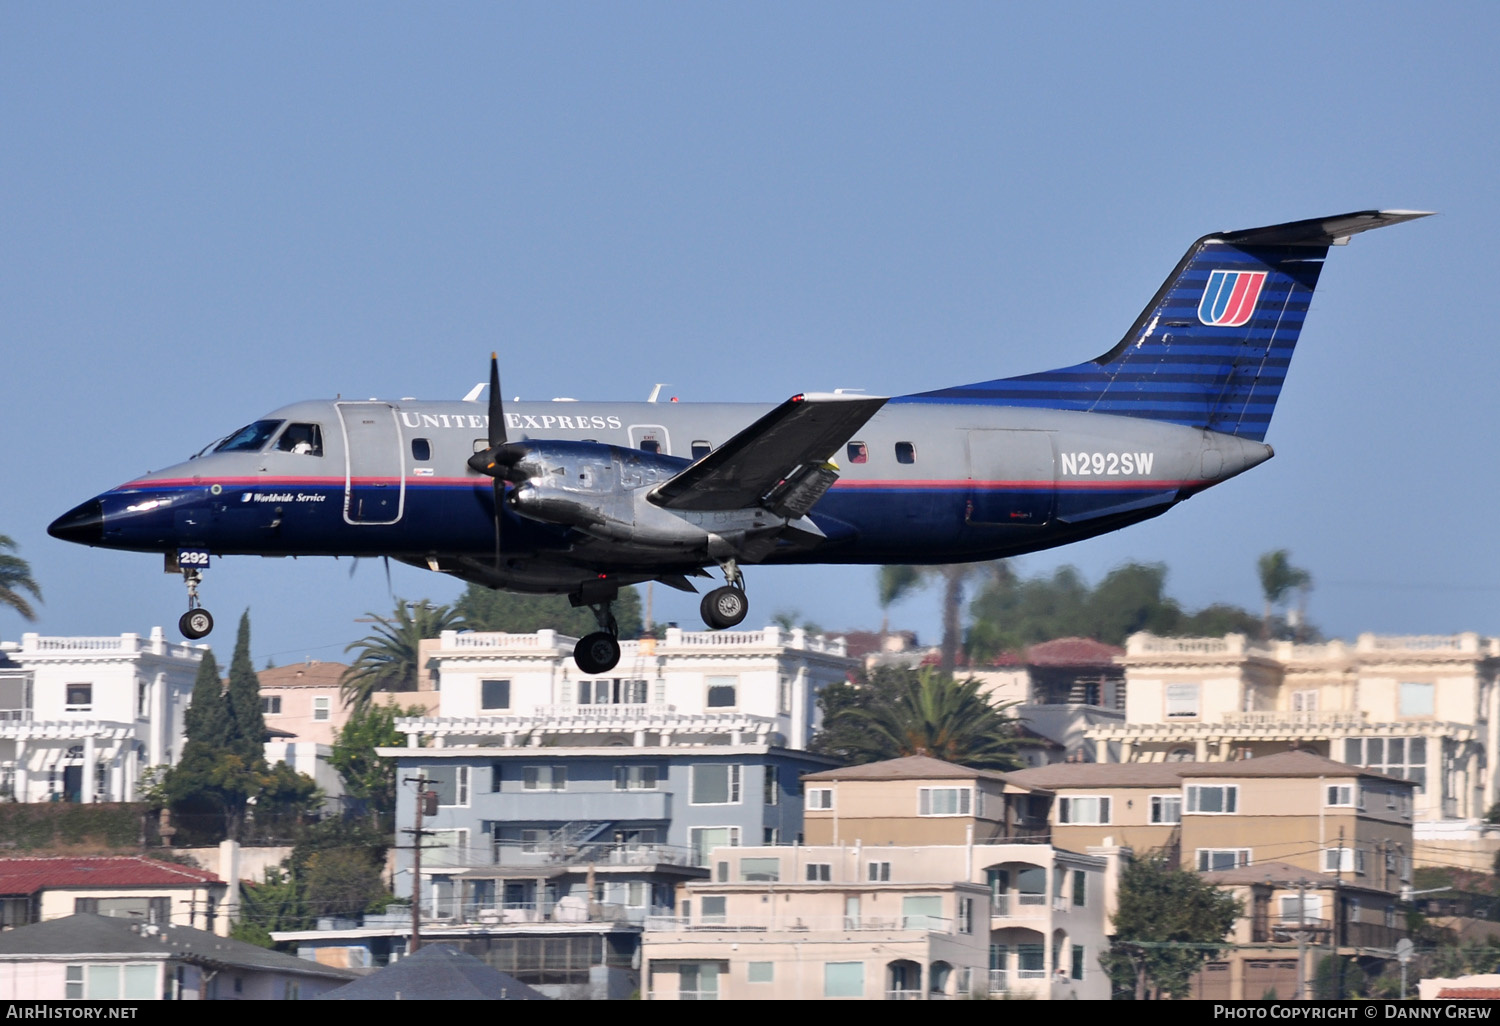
[{"x": 197, "y": 622}]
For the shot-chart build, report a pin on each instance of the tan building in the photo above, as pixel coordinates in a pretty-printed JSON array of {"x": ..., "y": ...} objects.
[
  {"x": 916, "y": 800},
  {"x": 922, "y": 879},
  {"x": 1293, "y": 919},
  {"x": 1425, "y": 709},
  {"x": 131, "y": 887},
  {"x": 301, "y": 702},
  {"x": 1293, "y": 807}
]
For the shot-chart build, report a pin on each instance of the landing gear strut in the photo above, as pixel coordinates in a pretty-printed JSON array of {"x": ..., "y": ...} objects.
[
  {"x": 727, "y": 606},
  {"x": 197, "y": 622},
  {"x": 599, "y": 652}
]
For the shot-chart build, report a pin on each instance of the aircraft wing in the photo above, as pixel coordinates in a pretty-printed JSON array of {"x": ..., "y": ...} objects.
[{"x": 806, "y": 429}]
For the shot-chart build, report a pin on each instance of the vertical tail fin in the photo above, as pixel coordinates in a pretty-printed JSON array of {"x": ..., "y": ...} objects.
[{"x": 1212, "y": 348}]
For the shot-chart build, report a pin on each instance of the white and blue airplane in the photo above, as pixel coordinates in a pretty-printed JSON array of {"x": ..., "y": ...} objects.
[{"x": 583, "y": 498}]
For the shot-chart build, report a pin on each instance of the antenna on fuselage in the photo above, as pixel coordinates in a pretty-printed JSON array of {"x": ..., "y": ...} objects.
[
  {"x": 473, "y": 396},
  {"x": 657, "y": 391}
]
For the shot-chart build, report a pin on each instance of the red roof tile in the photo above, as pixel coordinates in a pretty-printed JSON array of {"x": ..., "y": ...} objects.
[
  {"x": 1072, "y": 652},
  {"x": 1469, "y": 994},
  {"x": 29, "y": 875}
]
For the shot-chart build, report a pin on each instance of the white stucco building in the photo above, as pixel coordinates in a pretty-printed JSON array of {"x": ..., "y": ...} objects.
[{"x": 81, "y": 718}]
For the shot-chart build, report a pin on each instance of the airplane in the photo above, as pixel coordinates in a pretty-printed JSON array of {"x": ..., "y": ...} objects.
[{"x": 584, "y": 498}]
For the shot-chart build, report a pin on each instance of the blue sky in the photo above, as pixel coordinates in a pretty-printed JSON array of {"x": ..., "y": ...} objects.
[{"x": 210, "y": 211}]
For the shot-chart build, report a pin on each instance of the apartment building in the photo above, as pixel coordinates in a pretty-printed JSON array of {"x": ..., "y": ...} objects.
[
  {"x": 920, "y": 880},
  {"x": 564, "y": 809},
  {"x": 1421, "y": 708},
  {"x": 81, "y": 718}
]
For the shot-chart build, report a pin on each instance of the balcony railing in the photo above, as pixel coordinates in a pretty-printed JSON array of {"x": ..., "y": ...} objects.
[
  {"x": 799, "y": 924},
  {"x": 904, "y": 994},
  {"x": 522, "y": 913},
  {"x": 1009, "y": 905},
  {"x": 524, "y": 854},
  {"x": 1294, "y": 720}
]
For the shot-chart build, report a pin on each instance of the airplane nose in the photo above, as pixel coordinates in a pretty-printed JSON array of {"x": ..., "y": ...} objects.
[{"x": 83, "y": 524}]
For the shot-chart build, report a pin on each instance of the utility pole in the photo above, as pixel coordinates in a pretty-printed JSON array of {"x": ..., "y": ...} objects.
[{"x": 426, "y": 802}]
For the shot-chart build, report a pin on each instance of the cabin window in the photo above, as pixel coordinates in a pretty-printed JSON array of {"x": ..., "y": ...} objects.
[
  {"x": 251, "y": 438},
  {"x": 858, "y": 452},
  {"x": 701, "y": 449},
  {"x": 302, "y": 439},
  {"x": 650, "y": 445},
  {"x": 421, "y": 450},
  {"x": 906, "y": 452}
]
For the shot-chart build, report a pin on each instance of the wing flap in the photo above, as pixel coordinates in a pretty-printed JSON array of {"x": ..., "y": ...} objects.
[{"x": 744, "y": 470}]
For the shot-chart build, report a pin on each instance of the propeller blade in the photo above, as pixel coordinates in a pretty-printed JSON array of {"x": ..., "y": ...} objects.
[{"x": 497, "y": 405}]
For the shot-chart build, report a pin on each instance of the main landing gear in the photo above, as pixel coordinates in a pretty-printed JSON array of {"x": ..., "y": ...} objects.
[
  {"x": 197, "y": 622},
  {"x": 727, "y": 606},
  {"x": 599, "y": 652}
]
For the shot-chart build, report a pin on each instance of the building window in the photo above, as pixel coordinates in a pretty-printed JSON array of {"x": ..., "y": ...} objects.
[
  {"x": 698, "y": 981},
  {"x": 635, "y": 778},
  {"x": 1341, "y": 794},
  {"x": 1416, "y": 699},
  {"x": 612, "y": 691},
  {"x": 1214, "y": 860},
  {"x": 1080, "y": 888},
  {"x": 760, "y": 870},
  {"x": 965, "y": 915},
  {"x": 450, "y": 782},
  {"x": 711, "y": 909},
  {"x": 1343, "y": 860},
  {"x": 760, "y": 972},
  {"x": 321, "y": 710},
  {"x": 111, "y": 982},
  {"x": 771, "y": 794},
  {"x": 820, "y": 798},
  {"x": 906, "y": 452},
  {"x": 819, "y": 872},
  {"x": 1309, "y": 909},
  {"x": 635, "y": 894},
  {"x": 1404, "y": 757},
  {"x": 784, "y": 696},
  {"x": 706, "y": 839},
  {"x": 1182, "y": 701},
  {"x": 721, "y": 692},
  {"x": 1218, "y": 799},
  {"x": 880, "y": 872},
  {"x": 922, "y": 912},
  {"x": 270, "y": 705},
  {"x": 1304, "y": 701},
  {"x": 944, "y": 801},
  {"x": 545, "y": 778},
  {"x": 770, "y": 835},
  {"x": 79, "y": 698},
  {"x": 1031, "y": 962},
  {"x": 1090, "y": 809},
  {"x": 715, "y": 785},
  {"x": 1078, "y": 960},
  {"x": 843, "y": 979},
  {"x": 1166, "y": 809},
  {"x": 494, "y": 694}
]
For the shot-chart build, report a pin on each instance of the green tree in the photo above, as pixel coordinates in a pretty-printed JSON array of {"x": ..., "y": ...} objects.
[
  {"x": 894, "y": 582},
  {"x": 900, "y": 712},
  {"x": 388, "y": 659},
  {"x": 1167, "y": 924},
  {"x": 485, "y": 609},
  {"x": 1278, "y": 580},
  {"x": 274, "y": 904},
  {"x": 15, "y": 577},
  {"x": 223, "y": 768},
  {"x": 366, "y": 775}
]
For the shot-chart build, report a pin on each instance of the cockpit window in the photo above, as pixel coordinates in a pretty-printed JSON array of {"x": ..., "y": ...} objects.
[
  {"x": 251, "y": 438},
  {"x": 302, "y": 439}
]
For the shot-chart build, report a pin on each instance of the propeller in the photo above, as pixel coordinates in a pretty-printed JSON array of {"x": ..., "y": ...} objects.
[{"x": 498, "y": 460}]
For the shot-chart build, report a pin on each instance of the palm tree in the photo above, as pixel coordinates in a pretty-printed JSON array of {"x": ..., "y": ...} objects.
[
  {"x": 388, "y": 659},
  {"x": 15, "y": 577},
  {"x": 927, "y": 712},
  {"x": 1278, "y": 579},
  {"x": 897, "y": 581}
]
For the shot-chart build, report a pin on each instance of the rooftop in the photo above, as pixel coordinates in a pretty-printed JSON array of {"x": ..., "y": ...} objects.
[
  {"x": 29, "y": 875},
  {"x": 103, "y": 936},
  {"x": 912, "y": 767},
  {"x": 309, "y": 674}
]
